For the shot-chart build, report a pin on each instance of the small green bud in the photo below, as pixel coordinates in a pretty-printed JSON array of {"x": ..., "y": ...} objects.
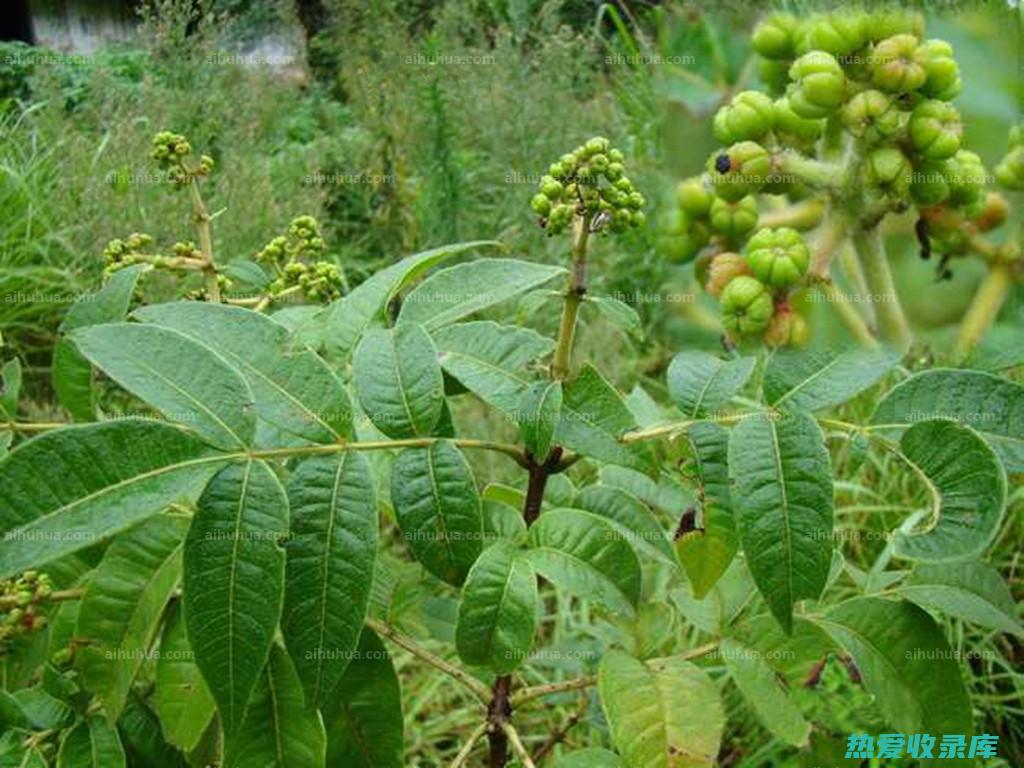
[
  {"x": 792, "y": 127},
  {"x": 928, "y": 185},
  {"x": 818, "y": 84},
  {"x": 1010, "y": 171},
  {"x": 748, "y": 117},
  {"x": 541, "y": 204},
  {"x": 935, "y": 129},
  {"x": 778, "y": 257},
  {"x": 774, "y": 38},
  {"x": 734, "y": 219},
  {"x": 942, "y": 75},
  {"x": 836, "y": 33},
  {"x": 898, "y": 65},
  {"x": 693, "y": 197},
  {"x": 966, "y": 176},
  {"x": 746, "y": 305},
  {"x": 872, "y": 116},
  {"x": 887, "y": 172}
]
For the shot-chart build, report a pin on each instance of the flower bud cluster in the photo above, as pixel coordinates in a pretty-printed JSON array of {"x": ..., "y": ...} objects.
[
  {"x": 20, "y": 599},
  {"x": 297, "y": 260},
  {"x": 171, "y": 152}
]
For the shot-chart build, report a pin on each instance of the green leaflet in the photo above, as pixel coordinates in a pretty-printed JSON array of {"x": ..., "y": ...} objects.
[
  {"x": 906, "y": 664},
  {"x": 92, "y": 743},
  {"x": 345, "y": 321},
  {"x": 364, "y": 714},
  {"x": 398, "y": 381},
  {"x": 968, "y": 489},
  {"x": 592, "y": 757},
  {"x": 143, "y": 741},
  {"x": 438, "y": 509},
  {"x": 665, "y": 714},
  {"x": 183, "y": 379},
  {"x": 72, "y": 374},
  {"x": 540, "y": 408},
  {"x": 585, "y": 555},
  {"x": 701, "y": 383},
  {"x": 490, "y": 359},
  {"x": 817, "y": 379},
  {"x": 124, "y": 600},
  {"x": 705, "y": 555},
  {"x": 971, "y": 590},
  {"x": 10, "y": 388},
  {"x": 296, "y": 392},
  {"x": 633, "y": 520},
  {"x": 233, "y": 585},
  {"x": 330, "y": 559},
  {"x": 593, "y": 417},
  {"x": 13, "y": 753},
  {"x": 182, "y": 700},
  {"x": 502, "y": 521},
  {"x": 782, "y": 494},
  {"x": 465, "y": 289},
  {"x": 70, "y": 488},
  {"x": 992, "y": 406},
  {"x": 617, "y": 312},
  {"x": 498, "y": 612},
  {"x": 44, "y": 710},
  {"x": 759, "y": 686},
  {"x": 279, "y": 730}
]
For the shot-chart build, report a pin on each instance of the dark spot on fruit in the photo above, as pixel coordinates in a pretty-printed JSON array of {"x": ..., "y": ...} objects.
[{"x": 723, "y": 163}]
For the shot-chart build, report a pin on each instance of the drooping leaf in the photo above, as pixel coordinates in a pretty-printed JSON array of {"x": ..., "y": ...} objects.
[
  {"x": 759, "y": 686},
  {"x": 280, "y": 730},
  {"x": 233, "y": 585},
  {"x": 701, "y": 383},
  {"x": 72, "y": 374},
  {"x": 364, "y": 714},
  {"x": 330, "y": 560},
  {"x": 398, "y": 381},
  {"x": 92, "y": 743},
  {"x": 992, "y": 406},
  {"x": 782, "y": 494},
  {"x": 586, "y": 556},
  {"x": 346, "y": 320},
  {"x": 181, "y": 697},
  {"x": 972, "y": 590},
  {"x": 123, "y": 602},
  {"x": 540, "y": 408},
  {"x": 663, "y": 714},
  {"x": 294, "y": 391},
  {"x": 630, "y": 517},
  {"x": 706, "y": 553},
  {"x": 812, "y": 380},
  {"x": 498, "y": 612},
  {"x": 465, "y": 289},
  {"x": 70, "y": 488},
  {"x": 906, "y": 664},
  {"x": 594, "y": 417},
  {"x": 490, "y": 359},
  {"x": 183, "y": 379},
  {"x": 968, "y": 491},
  {"x": 438, "y": 509}
]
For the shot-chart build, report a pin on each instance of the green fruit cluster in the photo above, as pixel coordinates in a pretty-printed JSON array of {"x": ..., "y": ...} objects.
[
  {"x": 700, "y": 216},
  {"x": 296, "y": 259},
  {"x": 591, "y": 183},
  {"x": 120, "y": 253},
  {"x": 1010, "y": 170},
  {"x": 170, "y": 151},
  {"x": 20, "y": 598}
]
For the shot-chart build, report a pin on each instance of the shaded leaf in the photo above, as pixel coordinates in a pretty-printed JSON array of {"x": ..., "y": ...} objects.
[
  {"x": 701, "y": 383},
  {"x": 182, "y": 700},
  {"x": 972, "y": 591}
]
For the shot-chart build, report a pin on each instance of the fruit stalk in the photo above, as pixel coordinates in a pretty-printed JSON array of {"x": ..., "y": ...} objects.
[
  {"x": 892, "y": 323},
  {"x": 202, "y": 219},
  {"x": 985, "y": 306},
  {"x": 576, "y": 289}
]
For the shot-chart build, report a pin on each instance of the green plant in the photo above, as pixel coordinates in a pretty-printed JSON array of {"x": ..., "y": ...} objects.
[
  {"x": 862, "y": 123},
  {"x": 214, "y": 583}
]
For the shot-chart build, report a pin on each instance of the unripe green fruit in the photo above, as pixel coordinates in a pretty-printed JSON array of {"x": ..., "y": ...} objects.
[
  {"x": 679, "y": 238},
  {"x": 787, "y": 328},
  {"x": 898, "y": 65},
  {"x": 818, "y": 84},
  {"x": 746, "y": 305},
  {"x": 778, "y": 257},
  {"x": 742, "y": 170},
  {"x": 541, "y": 205},
  {"x": 942, "y": 74},
  {"x": 928, "y": 185},
  {"x": 1010, "y": 171},
  {"x": 966, "y": 176},
  {"x": 774, "y": 38},
  {"x": 596, "y": 145},
  {"x": 836, "y": 33},
  {"x": 748, "y": 117},
  {"x": 693, "y": 197},
  {"x": 887, "y": 172},
  {"x": 872, "y": 116},
  {"x": 886, "y": 22},
  {"x": 935, "y": 129},
  {"x": 734, "y": 219},
  {"x": 774, "y": 75},
  {"x": 791, "y": 126},
  {"x": 722, "y": 269},
  {"x": 551, "y": 188}
]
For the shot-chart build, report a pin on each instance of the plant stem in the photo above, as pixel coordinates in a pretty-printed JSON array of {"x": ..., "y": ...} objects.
[
  {"x": 576, "y": 289},
  {"x": 892, "y": 323},
  {"x": 512, "y": 451},
  {"x": 985, "y": 306},
  {"x": 806, "y": 214},
  {"x": 671, "y": 428},
  {"x": 498, "y": 712},
  {"x": 32, "y": 426},
  {"x": 534, "y": 691},
  {"x": 847, "y": 313},
  {"x": 816, "y": 173},
  {"x": 479, "y": 689},
  {"x": 467, "y": 748},
  {"x": 202, "y": 219},
  {"x": 517, "y": 745}
]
